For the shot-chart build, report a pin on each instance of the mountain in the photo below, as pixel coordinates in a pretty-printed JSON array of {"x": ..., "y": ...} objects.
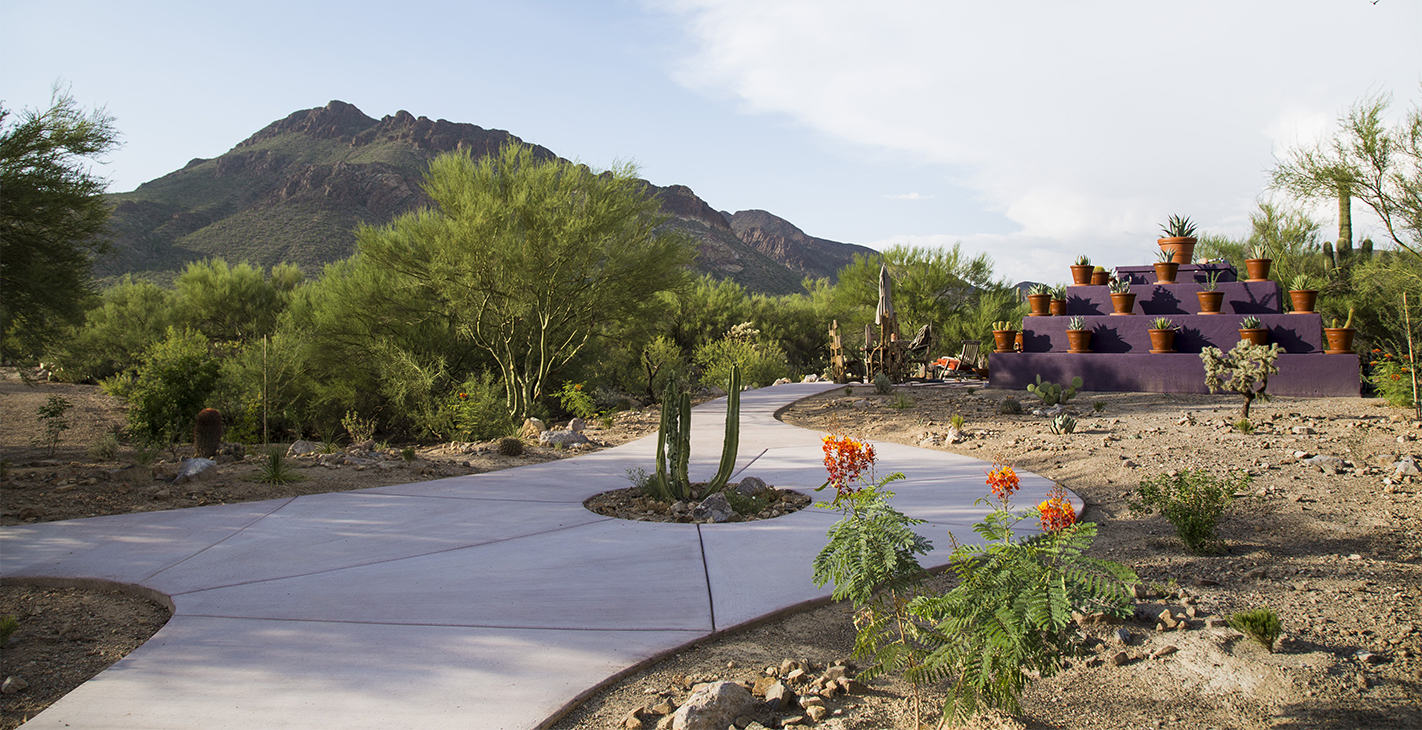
[{"x": 296, "y": 190}]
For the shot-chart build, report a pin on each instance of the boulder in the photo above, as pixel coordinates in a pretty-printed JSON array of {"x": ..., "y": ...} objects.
[
  {"x": 301, "y": 448},
  {"x": 715, "y": 508},
  {"x": 752, "y": 487},
  {"x": 566, "y": 438},
  {"x": 531, "y": 428},
  {"x": 811, "y": 378},
  {"x": 1405, "y": 466},
  {"x": 196, "y": 469},
  {"x": 577, "y": 425},
  {"x": 713, "y": 707}
]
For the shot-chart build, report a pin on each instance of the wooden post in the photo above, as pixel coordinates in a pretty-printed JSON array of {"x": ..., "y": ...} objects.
[{"x": 836, "y": 353}]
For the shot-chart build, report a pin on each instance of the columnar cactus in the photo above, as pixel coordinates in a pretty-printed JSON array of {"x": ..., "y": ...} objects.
[
  {"x": 207, "y": 433},
  {"x": 672, "y": 480}
]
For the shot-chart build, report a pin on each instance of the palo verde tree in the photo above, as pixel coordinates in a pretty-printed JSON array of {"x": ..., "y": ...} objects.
[
  {"x": 531, "y": 258},
  {"x": 52, "y": 220},
  {"x": 1369, "y": 160}
]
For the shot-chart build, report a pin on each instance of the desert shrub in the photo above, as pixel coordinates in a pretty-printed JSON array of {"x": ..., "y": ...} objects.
[
  {"x": 360, "y": 429},
  {"x": 1009, "y": 406},
  {"x": 177, "y": 377},
  {"x": 1244, "y": 425},
  {"x": 882, "y": 384},
  {"x": 746, "y": 504},
  {"x": 408, "y": 453},
  {"x": 51, "y": 417},
  {"x": 131, "y": 316},
  {"x": 575, "y": 399},
  {"x": 275, "y": 469},
  {"x": 761, "y": 362},
  {"x": 1098, "y": 406},
  {"x": 1260, "y": 624},
  {"x": 477, "y": 411},
  {"x": 1391, "y": 378},
  {"x": 8, "y": 626},
  {"x": 1193, "y": 501},
  {"x": 104, "y": 448},
  {"x": 900, "y": 402},
  {"x": 510, "y": 446}
]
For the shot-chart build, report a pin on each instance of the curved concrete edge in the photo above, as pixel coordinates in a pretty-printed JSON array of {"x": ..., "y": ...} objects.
[{"x": 94, "y": 584}]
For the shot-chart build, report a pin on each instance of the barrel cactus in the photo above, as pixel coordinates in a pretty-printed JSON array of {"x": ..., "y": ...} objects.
[{"x": 207, "y": 433}]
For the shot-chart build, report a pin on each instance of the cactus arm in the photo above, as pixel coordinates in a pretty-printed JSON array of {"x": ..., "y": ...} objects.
[
  {"x": 733, "y": 434},
  {"x": 683, "y": 457},
  {"x": 661, "y": 479}
]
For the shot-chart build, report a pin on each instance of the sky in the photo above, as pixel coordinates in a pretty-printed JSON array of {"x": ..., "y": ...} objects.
[{"x": 1030, "y": 131}]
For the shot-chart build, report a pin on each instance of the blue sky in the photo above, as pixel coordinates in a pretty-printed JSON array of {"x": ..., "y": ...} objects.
[{"x": 1034, "y": 131}]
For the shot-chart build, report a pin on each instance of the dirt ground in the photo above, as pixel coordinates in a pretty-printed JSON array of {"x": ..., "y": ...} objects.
[{"x": 1335, "y": 553}]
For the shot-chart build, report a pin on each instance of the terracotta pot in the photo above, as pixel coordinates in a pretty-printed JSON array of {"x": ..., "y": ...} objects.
[
  {"x": 1040, "y": 304},
  {"x": 1100, "y": 278},
  {"x": 1340, "y": 340},
  {"x": 1020, "y": 341},
  {"x": 1303, "y": 300},
  {"x": 1210, "y": 301},
  {"x": 1058, "y": 307},
  {"x": 1123, "y": 303},
  {"x": 1258, "y": 336},
  {"x": 1165, "y": 272},
  {"x": 1003, "y": 339},
  {"x": 1184, "y": 248},
  {"x": 1162, "y": 341},
  {"x": 1081, "y": 275},
  {"x": 1078, "y": 341},
  {"x": 1258, "y": 269}
]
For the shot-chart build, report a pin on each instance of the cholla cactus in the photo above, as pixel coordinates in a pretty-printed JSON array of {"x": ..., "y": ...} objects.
[{"x": 1244, "y": 370}]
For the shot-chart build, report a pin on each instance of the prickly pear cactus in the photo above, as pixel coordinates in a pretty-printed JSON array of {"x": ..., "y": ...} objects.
[{"x": 1051, "y": 393}]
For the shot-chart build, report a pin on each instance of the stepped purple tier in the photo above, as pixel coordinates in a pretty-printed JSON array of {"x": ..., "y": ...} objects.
[
  {"x": 1312, "y": 376},
  {"x": 1167, "y": 300},
  {"x": 1294, "y": 333},
  {"x": 1188, "y": 273}
]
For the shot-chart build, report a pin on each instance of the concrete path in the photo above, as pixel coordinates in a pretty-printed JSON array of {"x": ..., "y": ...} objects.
[{"x": 484, "y": 601}]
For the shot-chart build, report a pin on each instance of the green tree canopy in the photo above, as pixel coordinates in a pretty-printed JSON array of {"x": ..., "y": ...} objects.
[
  {"x": 531, "y": 258},
  {"x": 1369, "y": 161},
  {"x": 52, "y": 217}
]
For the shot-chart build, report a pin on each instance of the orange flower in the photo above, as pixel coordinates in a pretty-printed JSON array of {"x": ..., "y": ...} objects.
[
  {"x": 1055, "y": 512},
  {"x": 1003, "y": 480},
  {"x": 845, "y": 460}
]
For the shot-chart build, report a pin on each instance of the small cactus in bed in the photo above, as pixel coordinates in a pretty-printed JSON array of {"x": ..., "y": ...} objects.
[{"x": 207, "y": 433}]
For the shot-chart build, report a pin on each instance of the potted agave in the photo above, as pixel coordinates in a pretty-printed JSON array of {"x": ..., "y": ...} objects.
[
  {"x": 1004, "y": 335},
  {"x": 1257, "y": 265},
  {"x": 1081, "y": 271},
  {"x": 1251, "y": 330},
  {"x": 1179, "y": 235},
  {"x": 1210, "y": 298},
  {"x": 1340, "y": 339},
  {"x": 1162, "y": 335},
  {"x": 1123, "y": 300},
  {"x": 1058, "y": 303},
  {"x": 1166, "y": 266},
  {"x": 1303, "y": 293},
  {"x": 1039, "y": 298},
  {"x": 1078, "y": 336},
  {"x": 1100, "y": 276}
]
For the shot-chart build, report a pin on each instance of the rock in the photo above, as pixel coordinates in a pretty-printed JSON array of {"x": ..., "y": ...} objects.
[
  {"x": 713, "y": 707},
  {"x": 162, "y": 494},
  {"x": 1118, "y": 659},
  {"x": 665, "y": 707},
  {"x": 566, "y": 438},
  {"x": 715, "y": 508},
  {"x": 1406, "y": 466},
  {"x": 1326, "y": 464},
  {"x": 816, "y": 713},
  {"x": 1302, "y": 430},
  {"x": 752, "y": 487},
  {"x": 1204, "y": 581},
  {"x": 1166, "y": 650},
  {"x": 12, "y": 684},
  {"x": 531, "y": 428},
  {"x": 1123, "y": 637},
  {"x": 762, "y": 684},
  {"x": 780, "y": 381},
  {"x": 795, "y": 675},
  {"x": 302, "y": 448},
  {"x": 811, "y": 378},
  {"x": 195, "y": 470},
  {"x": 577, "y": 425},
  {"x": 633, "y": 720},
  {"x": 778, "y": 695},
  {"x": 666, "y": 722},
  {"x": 1138, "y": 591},
  {"x": 30, "y": 511},
  {"x": 1368, "y": 657}
]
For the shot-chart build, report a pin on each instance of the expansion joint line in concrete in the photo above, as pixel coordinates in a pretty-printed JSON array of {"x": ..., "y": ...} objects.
[
  {"x": 705, "y": 570},
  {"x": 234, "y": 533}
]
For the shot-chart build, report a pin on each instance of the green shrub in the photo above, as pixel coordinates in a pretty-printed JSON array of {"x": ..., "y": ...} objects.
[
  {"x": 1098, "y": 406},
  {"x": 746, "y": 504},
  {"x": 104, "y": 448},
  {"x": 173, "y": 385},
  {"x": 408, "y": 453},
  {"x": 1260, "y": 624},
  {"x": 8, "y": 626},
  {"x": 1193, "y": 502},
  {"x": 51, "y": 416},
  {"x": 882, "y": 384},
  {"x": 900, "y": 402},
  {"x": 478, "y": 411},
  {"x": 1244, "y": 426},
  {"x": 1391, "y": 378},
  {"x": 576, "y": 400},
  {"x": 761, "y": 363},
  {"x": 360, "y": 429}
]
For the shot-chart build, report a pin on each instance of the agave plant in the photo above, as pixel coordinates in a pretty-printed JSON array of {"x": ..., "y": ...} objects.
[
  {"x": 1305, "y": 282},
  {"x": 1259, "y": 251},
  {"x": 1059, "y": 292},
  {"x": 1082, "y": 260},
  {"x": 1250, "y": 323},
  {"x": 1165, "y": 256},
  {"x": 1039, "y": 290},
  {"x": 1162, "y": 323},
  {"x": 1121, "y": 286},
  {"x": 1212, "y": 281},
  {"x": 1076, "y": 323},
  {"x": 1177, "y": 227}
]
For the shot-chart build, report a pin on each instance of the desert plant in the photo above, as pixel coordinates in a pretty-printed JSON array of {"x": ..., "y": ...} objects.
[
  {"x": 104, "y": 448},
  {"x": 1244, "y": 370},
  {"x": 1062, "y": 423},
  {"x": 1003, "y": 326},
  {"x": 1083, "y": 260},
  {"x": 1250, "y": 323},
  {"x": 1060, "y": 292},
  {"x": 747, "y": 504},
  {"x": 510, "y": 446},
  {"x": 1121, "y": 285},
  {"x": 179, "y": 374},
  {"x": 1178, "y": 227},
  {"x": 1098, "y": 406},
  {"x": 1009, "y": 406},
  {"x": 1305, "y": 282},
  {"x": 900, "y": 402},
  {"x": 1051, "y": 393},
  {"x": 639, "y": 479},
  {"x": 1162, "y": 323},
  {"x": 1259, "y": 624},
  {"x": 1244, "y": 426},
  {"x": 1259, "y": 251},
  {"x": 51, "y": 416},
  {"x": 1192, "y": 501},
  {"x": 882, "y": 384},
  {"x": 956, "y": 421},
  {"x": 1165, "y": 255},
  {"x": 577, "y": 401},
  {"x": 849, "y": 390},
  {"x": 8, "y": 626},
  {"x": 1077, "y": 322},
  {"x": 1098, "y": 269},
  {"x": 1037, "y": 290},
  {"x": 1391, "y": 377},
  {"x": 275, "y": 469},
  {"x": 1212, "y": 281},
  {"x": 477, "y": 409},
  {"x": 360, "y": 429},
  {"x": 207, "y": 433},
  {"x": 672, "y": 481},
  {"x": 1346, "y": 325}
]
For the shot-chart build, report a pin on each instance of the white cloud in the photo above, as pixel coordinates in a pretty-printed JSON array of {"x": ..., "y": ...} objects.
[
  {"x": 1085, "y": 125},
  {"x": 909, "y": 196}
]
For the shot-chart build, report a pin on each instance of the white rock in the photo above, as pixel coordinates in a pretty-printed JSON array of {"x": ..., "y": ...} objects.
[
  {"x": 195, "y": 469},
  {"x": 713, "y": 707},
  {"x": 567, "y": 438},
  {"x": 1405, "y": 466},
  {"x": 577, "y": 425},
  {"x": 531, "y": 428},
  {"x": 13, "y": 684},
  {"x": 301, "y": 448},
  {"x": 811, "y": 378}
]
